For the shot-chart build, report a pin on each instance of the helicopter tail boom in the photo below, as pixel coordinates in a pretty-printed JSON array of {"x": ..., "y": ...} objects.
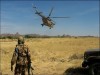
[{"x": 37, "y": 12}]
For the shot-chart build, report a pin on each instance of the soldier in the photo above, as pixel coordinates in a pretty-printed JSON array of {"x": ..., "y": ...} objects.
[{"x": 22, "y": 58}]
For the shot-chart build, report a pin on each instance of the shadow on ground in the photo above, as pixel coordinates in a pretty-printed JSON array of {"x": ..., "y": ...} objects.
[{"x": 76, "y": 71}]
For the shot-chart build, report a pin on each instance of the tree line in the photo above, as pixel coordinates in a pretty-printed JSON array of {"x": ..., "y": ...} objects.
[{"x": 15, "y": 36}]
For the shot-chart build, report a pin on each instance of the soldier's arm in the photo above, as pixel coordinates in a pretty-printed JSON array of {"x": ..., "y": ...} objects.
[
  {"x": 29, "y": 54},
  {"x": 14, "y": 58}
]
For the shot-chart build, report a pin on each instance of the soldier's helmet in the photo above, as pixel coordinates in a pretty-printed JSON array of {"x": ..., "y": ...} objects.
[{"x": 21, "y": 40}]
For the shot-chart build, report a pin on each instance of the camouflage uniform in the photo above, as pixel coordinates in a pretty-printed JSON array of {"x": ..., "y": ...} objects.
[{"x": 21, "y": 57}]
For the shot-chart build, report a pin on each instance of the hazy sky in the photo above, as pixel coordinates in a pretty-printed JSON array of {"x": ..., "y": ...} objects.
[{"x": 19, "y": 16}]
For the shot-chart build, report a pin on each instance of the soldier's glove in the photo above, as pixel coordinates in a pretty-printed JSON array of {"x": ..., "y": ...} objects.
[{"x": 11, "y": 68}]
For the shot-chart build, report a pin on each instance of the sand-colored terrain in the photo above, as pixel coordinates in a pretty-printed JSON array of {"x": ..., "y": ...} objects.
[{"x": 51, "y": 56}]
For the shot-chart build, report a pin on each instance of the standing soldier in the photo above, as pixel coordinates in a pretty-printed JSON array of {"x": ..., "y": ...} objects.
[{"x": 21, "y": 57}]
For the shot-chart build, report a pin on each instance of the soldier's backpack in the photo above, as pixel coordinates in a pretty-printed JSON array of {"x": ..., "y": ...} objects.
[{"x": 21, "y": 53}]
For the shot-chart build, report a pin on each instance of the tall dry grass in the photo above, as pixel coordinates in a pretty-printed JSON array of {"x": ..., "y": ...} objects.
[{"x": 50, "y": 55}]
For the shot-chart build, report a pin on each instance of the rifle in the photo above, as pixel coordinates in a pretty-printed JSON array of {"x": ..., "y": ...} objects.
[
  {"x": 11, "y": 68},
  {"x": 30, "y": 67}
]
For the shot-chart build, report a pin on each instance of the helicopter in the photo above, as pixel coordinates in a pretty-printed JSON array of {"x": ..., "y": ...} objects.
[{"x": 47, "y": 21}]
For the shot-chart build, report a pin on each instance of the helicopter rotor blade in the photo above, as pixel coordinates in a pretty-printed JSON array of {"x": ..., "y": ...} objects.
[
  {"x": 50, "y": 12},
  {"x": 59, "y": 17}
]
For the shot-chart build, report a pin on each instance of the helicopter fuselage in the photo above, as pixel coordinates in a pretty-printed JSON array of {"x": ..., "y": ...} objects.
[{"x": 47, "y": 22}]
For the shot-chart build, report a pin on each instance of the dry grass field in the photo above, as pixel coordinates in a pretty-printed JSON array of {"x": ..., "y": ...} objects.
[{"x": 51, "y": 56}]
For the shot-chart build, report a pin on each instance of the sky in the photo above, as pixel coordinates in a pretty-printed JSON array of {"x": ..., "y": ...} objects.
[{"x": 19, "y": 16}]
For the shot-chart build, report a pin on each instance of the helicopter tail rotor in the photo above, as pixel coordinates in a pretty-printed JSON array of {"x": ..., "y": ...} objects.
[
  {"x": 33, "y": 6},
  {"x": 36, "y": 9}
]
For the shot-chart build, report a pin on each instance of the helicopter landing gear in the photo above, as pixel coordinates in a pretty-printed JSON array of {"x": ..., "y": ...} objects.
[{"x": 42, "y": 25}]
